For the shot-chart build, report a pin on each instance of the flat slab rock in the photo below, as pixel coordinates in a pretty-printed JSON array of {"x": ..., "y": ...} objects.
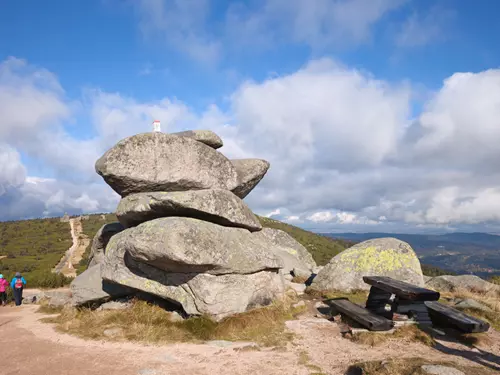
[
  {"x": 250, "y": 172},
  {"x": 284, "y": 246},
  {"x": 164, "y": 162},
  {"x": 207, "y": 137},
  {"x": 215, "y": 205},
  {"x": 179, "y": 244}
]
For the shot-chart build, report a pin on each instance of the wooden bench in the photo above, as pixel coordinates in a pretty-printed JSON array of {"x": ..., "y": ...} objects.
[
  {"x": 448, "y": 317},
  {"x": 361, "y": 315},
  {"x": 388, "y": 296}
]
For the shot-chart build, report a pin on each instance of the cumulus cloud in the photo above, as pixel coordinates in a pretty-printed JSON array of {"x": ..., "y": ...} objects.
[{"x": 345, "y": 151}]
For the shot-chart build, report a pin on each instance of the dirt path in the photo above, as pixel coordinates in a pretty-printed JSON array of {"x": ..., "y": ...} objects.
[
  {"x": 30, "y": 347},
  {"x": 75, "y": 252}
]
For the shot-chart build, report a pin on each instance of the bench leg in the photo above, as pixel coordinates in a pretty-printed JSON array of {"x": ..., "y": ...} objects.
[
  {"x": 415, "y": 310},
  {"x": 377, "y": 301}
]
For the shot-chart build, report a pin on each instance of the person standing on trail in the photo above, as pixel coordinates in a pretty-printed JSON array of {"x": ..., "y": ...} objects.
[
  {"x": 17, "y": 284},
  {"x": 3, "y": 290}
]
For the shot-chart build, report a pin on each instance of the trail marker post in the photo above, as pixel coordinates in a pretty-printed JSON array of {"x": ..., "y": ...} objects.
[{"x": 156, "y": 126}]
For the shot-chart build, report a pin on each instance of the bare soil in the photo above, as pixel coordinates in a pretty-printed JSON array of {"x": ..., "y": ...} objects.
[
  {"x": 30, "y": 347},
  {"x": 74, "y": 254}
]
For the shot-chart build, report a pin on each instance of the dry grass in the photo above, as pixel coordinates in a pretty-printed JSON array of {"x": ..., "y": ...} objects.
[
  {"x": 357, "y": 296},
  {"x": 147, "y": 323},
  {"x": 408, "y": 366},
  {"x": 408, "y": 333}
]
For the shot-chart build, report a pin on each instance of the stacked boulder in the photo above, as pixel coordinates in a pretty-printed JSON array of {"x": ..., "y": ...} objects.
[{"x": 184, "y": 233}]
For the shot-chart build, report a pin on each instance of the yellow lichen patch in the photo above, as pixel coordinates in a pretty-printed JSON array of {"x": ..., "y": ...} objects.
[{"x": 376, "y": 259}]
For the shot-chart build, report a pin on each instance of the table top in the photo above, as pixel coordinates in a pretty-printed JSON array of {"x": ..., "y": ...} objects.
[{"x": 402, "y": 289}]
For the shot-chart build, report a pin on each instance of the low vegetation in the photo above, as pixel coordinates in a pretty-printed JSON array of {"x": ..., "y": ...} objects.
[
  {"x": 34, "y": 247},
  {"x": 433, "y": 271},
  {"x": 407, "y": 333},
  {"x": 408, "y": 366},
  {"x": 145, "y": 322},
  {"x": 322, "y": 248}
]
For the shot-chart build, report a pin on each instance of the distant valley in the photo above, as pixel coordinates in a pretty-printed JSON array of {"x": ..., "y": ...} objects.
[{"x": 472, "y": 253}]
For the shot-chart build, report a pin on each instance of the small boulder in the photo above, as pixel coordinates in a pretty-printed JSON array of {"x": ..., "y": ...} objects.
[
  {"x": 440, "y": 370},
  {"x": 471, "y": 304},
  {"x": 250, "y": 172},
  {"x": 301, "y": 273},
  {"x": 115, "y": 305},
  {"x": 463, "y": 282},
  {"x": 214, "y": 205},
  {"x": 163, "y": 162},
  {"x": 284, "y": 246},
  {"x": 207, "y": 137},
  {"x": 379, "y": 257},
  {"x": 58, "y": 298},
  {"x": 113, "y": 332},
  {"x": 89, "y": 288},
  {"x": 100, "y": 241}
]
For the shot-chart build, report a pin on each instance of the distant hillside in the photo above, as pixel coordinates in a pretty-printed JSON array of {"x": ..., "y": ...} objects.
[
  {"x": 474, "y": 253},
  {"x": 34, "y": 247}
]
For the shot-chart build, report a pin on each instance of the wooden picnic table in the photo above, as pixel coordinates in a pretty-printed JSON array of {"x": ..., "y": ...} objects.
[{"x": 388, "y": 296}]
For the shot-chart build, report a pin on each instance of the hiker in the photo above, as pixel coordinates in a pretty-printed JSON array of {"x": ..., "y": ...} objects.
[
  {"x": 3, "y": 290},
  {"x": 17, "y": 284}
]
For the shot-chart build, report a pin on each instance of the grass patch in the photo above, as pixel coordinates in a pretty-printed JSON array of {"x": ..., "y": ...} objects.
[
  {"x": 408, "y": 366},
  {"x": 408, "y": 333},
  {"x": 148, "y": 323},
  {"x": 357, "y": 296}
]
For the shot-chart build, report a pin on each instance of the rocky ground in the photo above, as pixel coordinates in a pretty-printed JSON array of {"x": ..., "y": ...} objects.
[{"x": 30, "y": 347}]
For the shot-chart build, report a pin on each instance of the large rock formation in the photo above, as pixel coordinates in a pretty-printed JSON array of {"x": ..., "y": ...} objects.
[
  {"x": 379, "y": 257},
  {"x": 190, "y": 240},
  {"x": 215, "y": 205},
  {"x": 163, "y": 162},
  {"x": 292, "y": 253},
  {"x": 100, "y": 241}
]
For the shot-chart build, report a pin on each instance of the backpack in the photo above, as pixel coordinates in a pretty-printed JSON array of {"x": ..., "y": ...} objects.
[{"x": 18, "y": 284}]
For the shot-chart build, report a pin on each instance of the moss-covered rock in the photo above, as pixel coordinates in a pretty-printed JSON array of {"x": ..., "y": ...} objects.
[{"x": 378, "y": 257}]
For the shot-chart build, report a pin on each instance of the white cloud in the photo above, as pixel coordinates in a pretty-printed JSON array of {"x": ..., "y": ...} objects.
[
  {"x": 190, "y": 27},
  {"x": 423, "y": 29},
  {"x": 344, "y": 150}
]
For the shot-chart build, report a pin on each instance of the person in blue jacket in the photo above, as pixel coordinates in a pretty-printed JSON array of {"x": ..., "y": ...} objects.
[{"x": 17, "y": 284}]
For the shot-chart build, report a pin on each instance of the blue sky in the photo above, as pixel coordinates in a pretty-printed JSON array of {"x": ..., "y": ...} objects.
[{"x": 352, "y": 92}]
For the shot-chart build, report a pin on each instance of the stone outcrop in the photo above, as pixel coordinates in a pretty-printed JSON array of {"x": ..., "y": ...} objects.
[
  {"x": 89, "y": 288},
  {"x": 292, "y": 253},
  {"x": 250, "y": 172},
  {"x": 100, "y": 241},
  {"x": 463, "y": 282},
  {"x": 162, "y": 162},
  {"x": 186, "y": 245},
  {"x": 207, "y": 137},
  {"x": 379, "y": 257},
  {"x": 190, "y": 241},
  {"x": 214, "y": 205}
]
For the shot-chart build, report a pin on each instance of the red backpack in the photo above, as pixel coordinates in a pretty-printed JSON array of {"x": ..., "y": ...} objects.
[{"x": 18, "y": 284}]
